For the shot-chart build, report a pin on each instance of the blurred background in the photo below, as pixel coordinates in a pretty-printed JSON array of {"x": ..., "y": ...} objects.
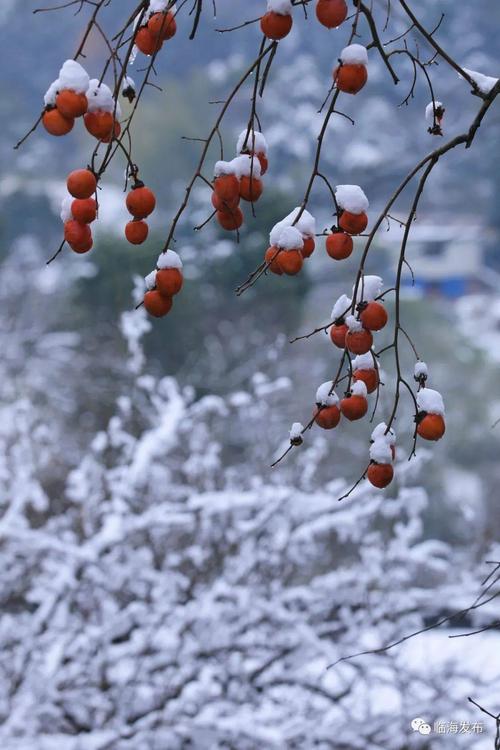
[{"x": 162, "y": 587}]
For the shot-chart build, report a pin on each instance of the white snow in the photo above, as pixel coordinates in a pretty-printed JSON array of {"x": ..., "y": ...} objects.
[
  {"x": 51, "y": 93},
  {"x": 484, "y": 83},
  {"x": 283, "y": 7},
  {"x": 353, "y": 323},
  {"x": 429, "y": 110},
  {"x": 363, "y": 362},
  {"x": 380, "y": 431},
  {"x": 430, "y": 401},
  {"x": 169, "y": 259},
  {"x": 341, "y": 307},
  {"x": 369, "y": 288},
  {"x": 323, "y": 395},
  {"x": 128, "y": 83},
  {"x": 420, "y": 369},
  {"x": 150, "y": 280},
  {"x": 255, "y": 142},
  {"x": 351, "y": 198},
  {"x": 380, "y": 451},
  {"x": 74, "y": 77},
  {"x": 296, "y": 430},
  {"x": 223, "y": 168},
  {"x": 354, "y": 54},
  {"x": 306, "y": 224},
  {"x": 290, "y": 238},
  {"x": 245, "y": 165},
  {"x": 66, "y": 208},
  {"x": 359, "y": 389},
  {"x": 100, "y": 98}
]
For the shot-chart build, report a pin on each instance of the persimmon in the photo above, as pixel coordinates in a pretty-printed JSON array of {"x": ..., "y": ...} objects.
[
  {"x": 140, "y": 201},
  {"x": 328, "y": 417},
  {"x": 354, "y": 407},
  {"x": 227, "y": 188},
  {"x": 115, "y": 132},
  {"x": 359, "y": 342},
  {"x": 55, "y": 123},
  {"x": 162, "y": 25},
  {"x": 99, "y": 124},
  {"x": 230, "y": 220},
  {"x": 264, "y": 163},
  {"x": 169, "y": 281},
  {"x": 353, "y": 223},
  {"x": 338, "y": 334},
  {"x": 368, "y": 377},
  {"x": 221, "y": 205},
  {"x": 81, "y": 183},
  {"x": 290, "y": 261},
  {"x": 380, "y": 475},
  {"x": 156, "y": 304},
  {"x": 84, "y": 210},
  {"x": 431, "y": 427},
  {"x": 350, "y": 77},
  {"x": 251, "y": 188},
  {"x": 82, "y": 247},
  {"x": 136, "y": 231},
  {"x": 308, "y": 248},
  {"x": 339, "y": 245},
  {"x": 331, "y": 13},
  {"x": 271, "y": 257},
  {"x": 374, "y": 316},
  {"x": 71, "y": 104},
  {"x": 275, "y": 25},
  {"x": 147, "y": 42},
  {"x": 76, "y": 233}
]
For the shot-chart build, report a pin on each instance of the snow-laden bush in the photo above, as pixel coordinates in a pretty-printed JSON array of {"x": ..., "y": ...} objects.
[{"x": 175, "y": 593}]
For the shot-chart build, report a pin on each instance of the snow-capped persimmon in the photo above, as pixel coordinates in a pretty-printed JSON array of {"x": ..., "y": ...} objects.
[
  {"x": 136, "y": 231},
  {"x": 431, "y": 427},
  {"x": 368, "y": 377},
  {"x": 308, "y": 248},
  {"x": 227, "y": 188},
  {"x": 380, "y": 475},
  {"x": 338, "y": 334},
  {"x": 230, "y": 220},
  {"x": 99, "y": 124},
  {"x": 55, "y": 123},
  {"x": 76, "y": 233},
  {"x": 353, "y": 223},
  {"x": 275, "y": 25},
  {"x": 169, "y": 281},
  {"x": 359, "y": 342},
  {"x": 81, "y": 183},
  {"x": 140, "y": 201},
  {"x": 147, "y": 42},
  {"x": 328, "y": 417},
  {"x": 251, "y": 188},
  {"x": 71, "y": 104},
  {"x": 331, "y": 13},
  {"x": 271, "y": 257},
  {"x": 374, "y": 316},
  {"x": 350, "y": 78},
  {"x": 290, "y": 261},
  {"x": 354, "y": 407},
  {"x": 162, "y": 25},
  {"x": 84, "y": 210},
  {"x": 339, "y": 245},
  {"x": 156, "y": 304}
]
